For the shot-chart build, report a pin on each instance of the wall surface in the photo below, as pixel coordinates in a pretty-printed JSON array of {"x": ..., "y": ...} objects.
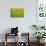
[{"x": 24, "y": 24}]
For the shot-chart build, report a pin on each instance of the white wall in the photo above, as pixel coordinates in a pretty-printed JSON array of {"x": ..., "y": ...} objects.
[{"x": 7, "y": 22}]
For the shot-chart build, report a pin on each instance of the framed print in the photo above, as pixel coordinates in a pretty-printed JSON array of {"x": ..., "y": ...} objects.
[
  {"x": 41, "y": 8},
  {"x": 17, "y": 12},
  {"x": 41, "y": 12}
]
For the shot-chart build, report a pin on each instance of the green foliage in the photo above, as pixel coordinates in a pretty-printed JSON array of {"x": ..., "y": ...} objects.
[
  {"x": 39, "y": 35},
  {"x": 37, "y": 28},
  {"x": 42, "y": 27}
]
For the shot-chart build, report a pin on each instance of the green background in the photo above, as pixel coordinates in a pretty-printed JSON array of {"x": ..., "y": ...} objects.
[{"x": 17, "y": 12}]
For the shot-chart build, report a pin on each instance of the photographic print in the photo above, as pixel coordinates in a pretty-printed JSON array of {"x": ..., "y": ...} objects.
[{"x": 17, "y": 12}]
